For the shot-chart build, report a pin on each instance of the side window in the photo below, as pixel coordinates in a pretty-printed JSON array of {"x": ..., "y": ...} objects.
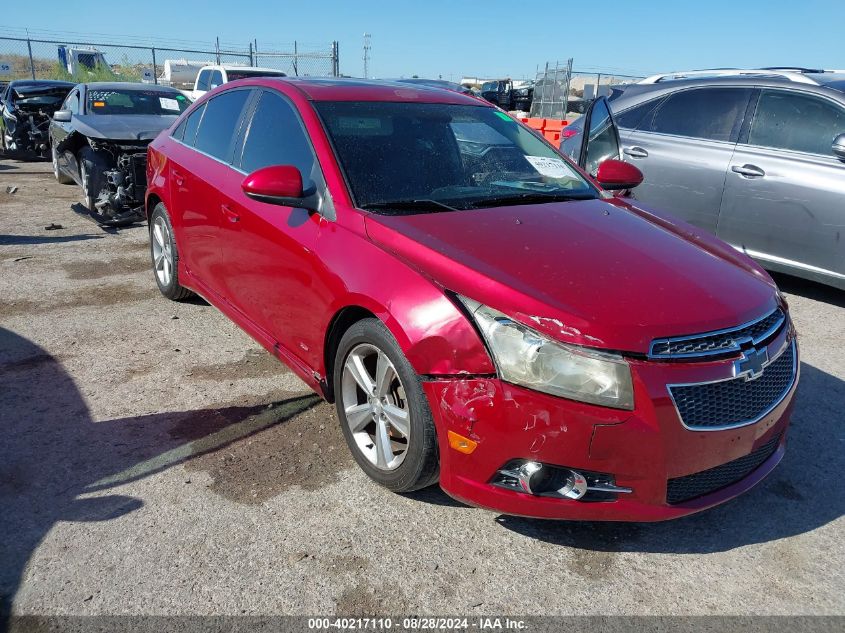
[
  {"x": 189, "y": 126},
  {"x": 710, "y": 113},
  {"x": 276, "y": 137},
  {"x": 602, "y": 142},
  {"x": 218, "y": 126},
  {"x": 72, "y": 102},
  {"x": 631, "y": 118},
  {"x": 216, "y": 79},
  {"x": 797, "y": 122},
  {"x": 202, "y": 80}
]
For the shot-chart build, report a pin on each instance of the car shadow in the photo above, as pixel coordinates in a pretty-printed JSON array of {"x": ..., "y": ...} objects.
[
  {"x": 809, "y": 289},
  {"x": 32, "y": 240},
  {"x": 58, "y": 464},
  {"x": 81, "y": 210},
  {"x": 803, "y": 493}
]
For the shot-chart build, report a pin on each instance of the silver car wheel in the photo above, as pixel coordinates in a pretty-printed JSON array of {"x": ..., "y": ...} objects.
[
  {"x": 162, "y": 251},
  {"x": 83, "y": 176},
  {"x": 376, "y": 408}
]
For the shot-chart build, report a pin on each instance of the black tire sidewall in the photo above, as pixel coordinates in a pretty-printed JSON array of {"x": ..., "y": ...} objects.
[
  {"x": 172, "y": 290},
  {"x": 95, "y": 165},
  {"x": 421, "y": 464}
]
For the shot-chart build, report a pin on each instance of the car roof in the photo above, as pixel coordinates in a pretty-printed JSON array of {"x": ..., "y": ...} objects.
[
  {"x": 35, "y": 83},
  {"x": 228, "y": 67},
  {"x": 628, "y": 95},
  {"x": 342, "y": 89},
  {"x": 126, "y": 85}
]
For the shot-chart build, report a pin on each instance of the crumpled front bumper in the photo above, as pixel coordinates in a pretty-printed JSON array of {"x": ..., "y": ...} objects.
[{"x": 642, "y": 449}]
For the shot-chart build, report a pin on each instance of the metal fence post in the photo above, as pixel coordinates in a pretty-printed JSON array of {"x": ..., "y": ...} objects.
[
  {"x": 155, "y": 70},
  {"x": 217, "y": 50},
  {"x": 251, "y": 62},
  {"x": 295, "y": 59},
  {"x": 31, "y": 62},
  {"x": 256, "y": 53},
  {"x": 568, "y": 84},
  {"x": 335, "y": 59}
]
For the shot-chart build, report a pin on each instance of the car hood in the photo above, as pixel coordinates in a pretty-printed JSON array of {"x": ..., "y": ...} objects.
[
  {"x": 594, "y": 272},
  {"x": 123, "y": 127}
]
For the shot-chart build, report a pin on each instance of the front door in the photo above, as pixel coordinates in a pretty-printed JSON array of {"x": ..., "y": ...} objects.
[
  {"x": 683, "y": 147},
  {"x": 600, "y": 141},
  {"x": 270, "y": 267},
  {"x": 784, "y": 201}
]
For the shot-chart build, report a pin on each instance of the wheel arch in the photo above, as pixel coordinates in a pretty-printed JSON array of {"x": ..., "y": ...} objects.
[{"x": 343, "y": 319}]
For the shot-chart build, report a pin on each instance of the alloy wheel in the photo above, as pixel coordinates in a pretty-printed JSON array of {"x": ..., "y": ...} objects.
[
  {"x": 162, "y": 251},
  {"x": 377, "y": 411}
]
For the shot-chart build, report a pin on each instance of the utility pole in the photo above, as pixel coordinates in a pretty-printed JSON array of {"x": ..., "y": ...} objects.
[{"x": 367, "y": 48}]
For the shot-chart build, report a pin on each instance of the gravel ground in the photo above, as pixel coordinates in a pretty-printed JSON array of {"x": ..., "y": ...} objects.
[{"x": 156, "y": 460}]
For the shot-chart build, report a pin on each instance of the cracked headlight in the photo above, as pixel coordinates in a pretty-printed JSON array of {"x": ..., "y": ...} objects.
[{"x": 526, "y": 357}]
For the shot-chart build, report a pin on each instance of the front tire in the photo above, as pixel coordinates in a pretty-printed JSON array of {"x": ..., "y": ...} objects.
[
  {"x": 165, "y": 257},
  {"x": 383, "y": 411},
  {"x": 92, "y": 168}
]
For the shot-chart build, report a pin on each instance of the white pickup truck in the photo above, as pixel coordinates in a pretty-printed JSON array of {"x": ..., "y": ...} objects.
[{"x": 209, "y": 77}]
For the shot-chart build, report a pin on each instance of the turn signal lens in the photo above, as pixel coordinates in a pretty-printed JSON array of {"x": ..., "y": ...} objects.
[{"x": 460, "y": 443}]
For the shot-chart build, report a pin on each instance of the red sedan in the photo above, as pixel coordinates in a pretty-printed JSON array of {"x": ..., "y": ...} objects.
[{"x": 480, "y": 310}]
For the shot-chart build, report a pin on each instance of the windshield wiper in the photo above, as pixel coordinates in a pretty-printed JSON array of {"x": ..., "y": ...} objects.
[
  {"x": 408, "y": 205},
  {"x": 531, "y": 198}
]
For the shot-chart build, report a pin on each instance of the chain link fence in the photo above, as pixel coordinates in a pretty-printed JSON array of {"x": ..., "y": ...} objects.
[
  {"x": 83, "y": 59},
  {"x": 563, "y": 93}
]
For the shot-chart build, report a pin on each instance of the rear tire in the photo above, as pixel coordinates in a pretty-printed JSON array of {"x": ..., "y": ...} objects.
[
  {"x": 398, "y": 412},
  {"x": 165, "y": 257},
  {"x": 61, "y": 177}
]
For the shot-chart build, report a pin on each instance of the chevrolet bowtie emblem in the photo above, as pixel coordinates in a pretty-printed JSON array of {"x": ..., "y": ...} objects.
[{"x": 751, "y": 365}]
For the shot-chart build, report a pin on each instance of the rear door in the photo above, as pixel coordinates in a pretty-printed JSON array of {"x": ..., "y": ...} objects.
[
  {"x": 270, "y": 267},
  {"x": 784, "y": 199},
  {"x": 200, "y": 170},
  {"x": 683, "y": 147}
]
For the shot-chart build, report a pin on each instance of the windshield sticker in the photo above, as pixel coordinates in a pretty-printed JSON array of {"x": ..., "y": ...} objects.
[
  {"x": 168, "y": 104},
  {"x": 504, "y": 116},
  {"x": 549, "y": 167},
  {"x": 99, "y": 104}
]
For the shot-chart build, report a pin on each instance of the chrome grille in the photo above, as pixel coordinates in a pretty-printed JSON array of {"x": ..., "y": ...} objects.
[
  {"x": 719, "y": 342},
  {"x": 682, "y": 489},
  {"x": 736, "y": 401}
]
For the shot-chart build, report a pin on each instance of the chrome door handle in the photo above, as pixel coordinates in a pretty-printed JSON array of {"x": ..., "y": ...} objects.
[
  {"x": 635, "y": 152},
  {"x": 748, "y": 171},
  {"x": 179, "y": 178}
]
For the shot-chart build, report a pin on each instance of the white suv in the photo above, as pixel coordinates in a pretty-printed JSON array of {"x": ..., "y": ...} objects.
[{"x": 209, "y": 77}]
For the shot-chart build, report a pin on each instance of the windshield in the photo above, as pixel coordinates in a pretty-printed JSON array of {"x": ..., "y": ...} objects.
[
  {"x": 116, "y": 101},
  {"x": 243, "y": 74},
  {"x": 436, "y": 156}
]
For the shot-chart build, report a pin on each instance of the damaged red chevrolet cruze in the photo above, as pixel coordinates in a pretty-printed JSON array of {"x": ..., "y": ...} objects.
[{"x": 482, "y": 312}]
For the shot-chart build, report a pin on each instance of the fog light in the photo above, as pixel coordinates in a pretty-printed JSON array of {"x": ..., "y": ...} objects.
[
  {"x": 545, "y": 480},
  {"x": 535, "y": 479}
]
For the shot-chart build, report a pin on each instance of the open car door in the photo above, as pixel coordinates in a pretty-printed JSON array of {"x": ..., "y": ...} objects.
[{"x": 599, "y": 137}]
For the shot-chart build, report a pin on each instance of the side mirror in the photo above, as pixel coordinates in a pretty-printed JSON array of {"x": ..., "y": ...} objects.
[
  {"x": 63, "y": 116},
  {"x": 281, "y": 185},
  {"x": 839, "y": 146},
  {"x": 615, "y": 175}
]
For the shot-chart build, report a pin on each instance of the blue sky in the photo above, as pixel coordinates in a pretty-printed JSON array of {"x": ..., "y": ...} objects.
[{"x": 457, "y": 38}]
